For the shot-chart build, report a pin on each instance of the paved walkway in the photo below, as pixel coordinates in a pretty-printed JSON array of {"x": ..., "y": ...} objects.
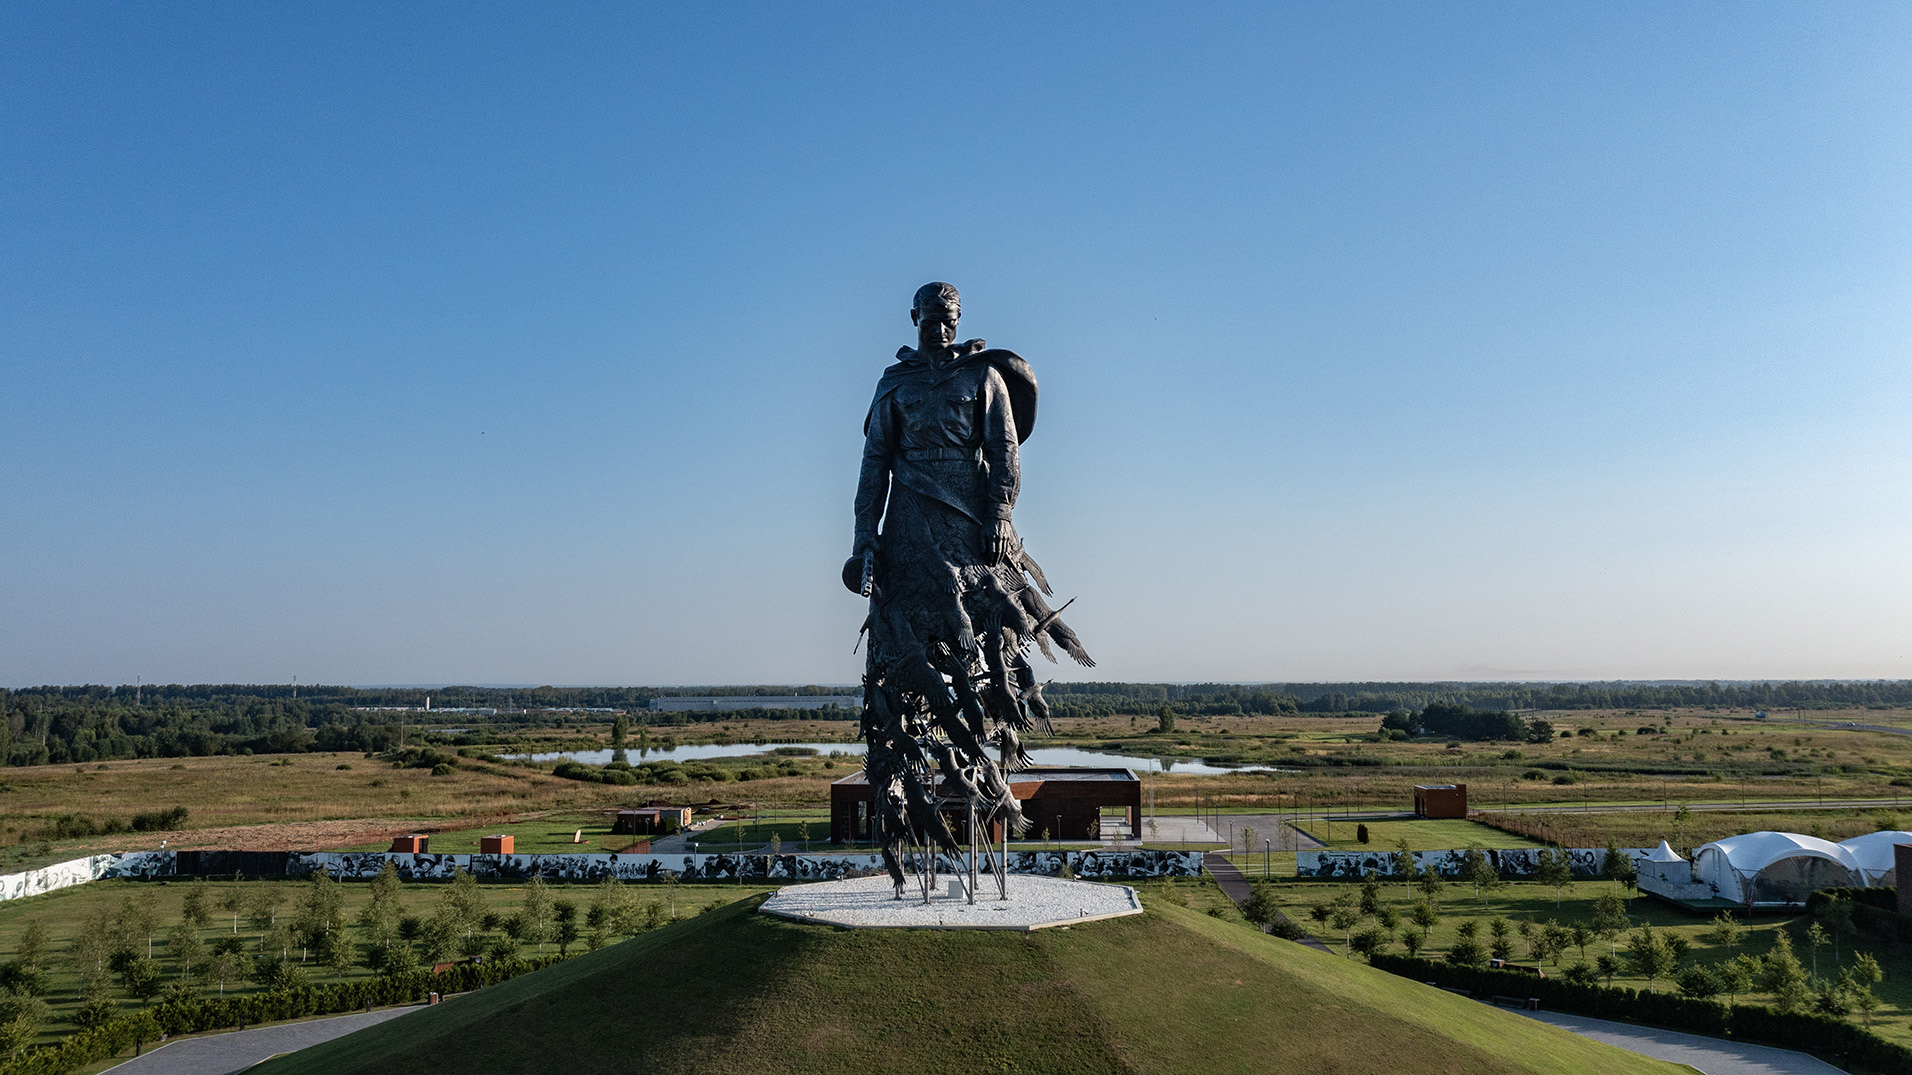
[
  {"x": 1236, "y": 887},
  {"x": 1713, "y": 1056},
  {"x": 224, "y": 1054}
]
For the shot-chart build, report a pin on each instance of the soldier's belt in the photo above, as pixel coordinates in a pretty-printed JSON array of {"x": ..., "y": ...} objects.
[{"x": 928, "y": 455}]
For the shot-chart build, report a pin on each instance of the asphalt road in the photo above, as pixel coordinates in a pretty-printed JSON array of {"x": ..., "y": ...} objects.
[
  {"x": 225, "y": 1054},
  {"x": 1713, "y": 1056}
]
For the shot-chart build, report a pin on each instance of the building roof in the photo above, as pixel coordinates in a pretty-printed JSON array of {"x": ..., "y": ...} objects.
[
  {"x": 1435, "y": 787},
  {"x": 1755, "y": 851},
  {"x": 1874, "y": 850}
]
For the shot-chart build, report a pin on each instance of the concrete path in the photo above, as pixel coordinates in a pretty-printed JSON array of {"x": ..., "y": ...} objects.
[
  {"x": 1277, "y": 830},
  {"x": 224, "y": 1054},
  {"x": 1178, "y": 829},
  {"x": 1713, "y": 1056},
  {"x": 1236, "y": 887}
]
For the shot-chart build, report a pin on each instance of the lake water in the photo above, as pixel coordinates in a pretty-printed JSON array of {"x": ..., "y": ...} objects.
[{"x": 1039, "y": 755}]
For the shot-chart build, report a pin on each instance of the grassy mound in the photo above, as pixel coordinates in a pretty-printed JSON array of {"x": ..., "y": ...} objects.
[{"x": 1170, "y": 991}]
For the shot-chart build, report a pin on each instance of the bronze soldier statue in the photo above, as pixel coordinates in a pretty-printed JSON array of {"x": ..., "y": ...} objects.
[{"x": 955, "y": 599}]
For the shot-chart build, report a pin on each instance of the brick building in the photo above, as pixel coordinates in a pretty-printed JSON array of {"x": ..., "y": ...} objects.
[{"x": 1440, "y": 800}]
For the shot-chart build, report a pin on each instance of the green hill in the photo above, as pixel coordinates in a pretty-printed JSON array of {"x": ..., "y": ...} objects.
[{"x": 1171, "y": 991}]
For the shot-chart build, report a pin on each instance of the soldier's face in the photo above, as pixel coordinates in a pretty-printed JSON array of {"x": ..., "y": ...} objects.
[{"x": 936, "y": 326}]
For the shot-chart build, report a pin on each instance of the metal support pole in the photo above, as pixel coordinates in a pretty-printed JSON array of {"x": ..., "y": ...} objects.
[
  {"x": 1002, "y": 878},
  {"x": 972, "y": 849}
]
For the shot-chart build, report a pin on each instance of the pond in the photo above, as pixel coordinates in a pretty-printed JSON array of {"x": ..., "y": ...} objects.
[{"x": 1047, "y": 756}]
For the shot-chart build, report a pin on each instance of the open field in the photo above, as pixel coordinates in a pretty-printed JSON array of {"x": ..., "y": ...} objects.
[
  {"x": 737, "y": 992},
  {"x": 557, "y": 832},
  {"x": 329, "y": 801},
  {"x": 68, "y": 913},
  {"x": 1700, "y": 826},
  {"x": 319, "y": 802}
]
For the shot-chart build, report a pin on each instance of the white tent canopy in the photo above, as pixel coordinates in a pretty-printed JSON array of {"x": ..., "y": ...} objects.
[
  {"x": 1775, "y": 867},
  {"x": 1663, "y": 853},
  {"x": 1875, "y": 856}
]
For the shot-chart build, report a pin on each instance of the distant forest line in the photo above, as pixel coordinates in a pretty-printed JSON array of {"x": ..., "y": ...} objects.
[{"x": 54, "y": 725}]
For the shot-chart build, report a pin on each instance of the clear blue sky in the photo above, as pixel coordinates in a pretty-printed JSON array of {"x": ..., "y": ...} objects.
[{"x": 504, "y": 344}]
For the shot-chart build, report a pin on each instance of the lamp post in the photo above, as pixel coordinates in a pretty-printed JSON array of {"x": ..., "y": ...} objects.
[{"x": 1265, "y": 845}]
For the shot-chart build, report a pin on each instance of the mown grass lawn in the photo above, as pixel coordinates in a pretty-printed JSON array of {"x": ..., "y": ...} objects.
[{"x": 1169, "y": 991}]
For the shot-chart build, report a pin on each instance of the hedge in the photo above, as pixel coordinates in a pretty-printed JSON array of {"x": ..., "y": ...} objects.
[
  {"x": 1813, "y": 1033},
  {"x": 1875, "y": 910},
  {"x": 196, "y": 1016}
]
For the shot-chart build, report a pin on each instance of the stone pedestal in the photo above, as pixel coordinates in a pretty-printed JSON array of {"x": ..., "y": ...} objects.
[{"x": 1034, "y": 902}]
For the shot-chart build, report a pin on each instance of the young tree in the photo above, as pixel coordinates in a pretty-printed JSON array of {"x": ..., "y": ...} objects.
[
  {"x": 320, "y": 913},
  {"x": 1411, "y": 939},
  {"x": 1556, "y": 871},
  {"x": 1369, "y": 941},
  {"x": 1579, "y": 936},
  {"x": 460, "y": 905},
  {"x": 1262, "y": 906},
  {"x": 1617, "y": 866},
  {"x": 225, "y": 966},
  {"x": 1678, "y": 947},
  {"x": 140, "y": 977},
  {"x": 30, "y": 952},
  {"x": 1501, "y": 948},
  {"x": 193, "y": 910},
  {"x": 537, "y": 912},
  {"x": 1726, "y": 931},
  {"x": 565, "y": 914},
  {"x": 1816, "y": 936},
  {"x": 1371, "y": 894},
  {"x": 1466, "y": 952},
  {"x": 1699, "y": 982},
  {"x": 1403, "y": 863},
  {"x": 262, "y": 907},
  {"x": 138, "y": 917},
  {"x": 1554, "y": 939},
  {"x": 1344, "y": 916},
  {"x": 1648, "y": 955},
  {"x": 185, "y": 948},
  {"x": 1499, "y": 928},
  {"x": 1781, "y": 974},
  {"x": 1861, "y": 977},
  {"x": 233, "y": 901},
  {"x": 1680, "y": 818},
  {"x": 1425, "y": 916},
  {"x": 21, "y": 1016},
  {"x": 1606, "y": 966},
  {"x": 1431, "y": 884},
  {"x": 1478, "y": 870},
  {"x": 1609, "y": 917},
  {"x": 1836, "y": 914},
  {"x": 1737, "y": 975}
]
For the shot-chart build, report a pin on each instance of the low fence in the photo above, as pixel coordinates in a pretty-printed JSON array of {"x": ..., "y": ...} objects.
[
  {"x": 1508, "y": 862},
  {"x": 363, "y": 866}
]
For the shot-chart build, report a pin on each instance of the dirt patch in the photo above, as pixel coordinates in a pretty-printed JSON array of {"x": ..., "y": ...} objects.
[{"x": 319, "y": 835}]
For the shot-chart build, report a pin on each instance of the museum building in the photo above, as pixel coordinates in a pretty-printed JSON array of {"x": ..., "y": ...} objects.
[{"x": 1067, "y": 803}]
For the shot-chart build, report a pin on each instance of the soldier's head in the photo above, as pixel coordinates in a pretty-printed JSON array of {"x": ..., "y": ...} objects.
[{"x": 935, "y": 311}]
